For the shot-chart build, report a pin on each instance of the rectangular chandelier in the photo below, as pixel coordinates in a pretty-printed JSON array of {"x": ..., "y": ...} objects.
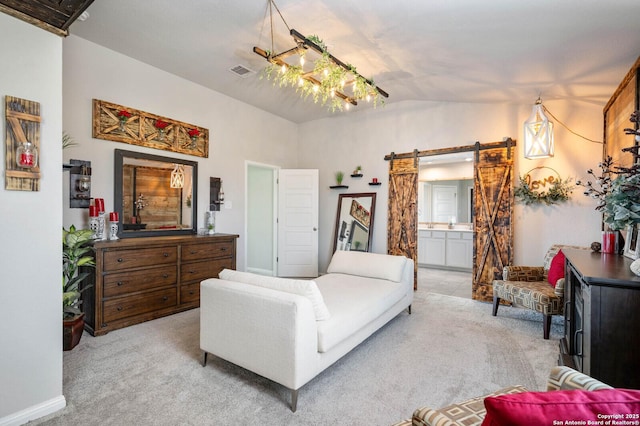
[{"x": 326, "y": 79}]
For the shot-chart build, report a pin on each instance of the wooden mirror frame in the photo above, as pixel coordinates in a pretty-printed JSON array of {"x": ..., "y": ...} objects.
[
  {"x": 340, "y": 229},
  {"x": 118, "y": 180}
]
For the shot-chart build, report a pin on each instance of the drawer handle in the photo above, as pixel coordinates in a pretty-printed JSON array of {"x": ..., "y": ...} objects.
[
  {"x": 165, "y": 276},
  {"x": 192, "y": 292},
  {"x": 165, "y": 254},
  {"x": 191, "y": 271},
  {"x": 193, "y": 251},
  {"x": 119, "y": 308},
  {"x": 119, "y": 283},
  {"x": 223, "y": 249},
  {"x": 120, "y": 260},
  {"x": 165, "y": 298}
]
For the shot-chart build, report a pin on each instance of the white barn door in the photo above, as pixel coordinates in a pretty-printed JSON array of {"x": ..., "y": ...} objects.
[{"x": 298, "y": 223}]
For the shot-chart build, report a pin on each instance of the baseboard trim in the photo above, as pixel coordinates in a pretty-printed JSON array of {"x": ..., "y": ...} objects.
[
  {"x": 34, "y": 412},
  {"x": 260, "y": 271}
]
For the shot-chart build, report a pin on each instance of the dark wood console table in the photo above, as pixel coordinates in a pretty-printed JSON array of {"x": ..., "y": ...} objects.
[
  {"x": 140, "y": 279},
  {"x": 602, "y": 318}
]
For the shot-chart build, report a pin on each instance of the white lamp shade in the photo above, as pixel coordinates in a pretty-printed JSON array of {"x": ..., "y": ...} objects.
[{"x": 538, "y": 134}]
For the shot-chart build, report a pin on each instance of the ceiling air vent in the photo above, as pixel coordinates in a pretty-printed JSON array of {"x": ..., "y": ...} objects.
[{"x": 241, "y": 70}]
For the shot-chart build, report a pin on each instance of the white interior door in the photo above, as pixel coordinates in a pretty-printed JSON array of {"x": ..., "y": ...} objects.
[
  {"x": 298, "y": 223},
  {"x": 445, "y": 202}
]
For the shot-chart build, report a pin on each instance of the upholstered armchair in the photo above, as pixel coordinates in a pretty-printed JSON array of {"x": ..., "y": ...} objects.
[
  {"x": 529, "y": 287},
  {"x": 472, "y": 412}
]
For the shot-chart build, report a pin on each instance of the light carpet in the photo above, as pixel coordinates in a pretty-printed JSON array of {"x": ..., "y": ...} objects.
[{"x": 449, "y": 349}]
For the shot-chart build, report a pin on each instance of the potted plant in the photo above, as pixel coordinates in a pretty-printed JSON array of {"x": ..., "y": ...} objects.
[
  {"x": 339, "y": 176},
  {"x": 76, "y": 254}
]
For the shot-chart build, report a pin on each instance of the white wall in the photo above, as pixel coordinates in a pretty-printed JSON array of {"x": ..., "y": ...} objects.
[
  {"x": 31, "y": 252},
  {"x": 365, "y": 137},
  {"x": 237, "y": 131}
]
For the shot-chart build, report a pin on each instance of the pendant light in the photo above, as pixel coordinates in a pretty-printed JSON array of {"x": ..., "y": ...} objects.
[
  {"x": 538, "y": 134},
  {"x": 177, "y": 177}
]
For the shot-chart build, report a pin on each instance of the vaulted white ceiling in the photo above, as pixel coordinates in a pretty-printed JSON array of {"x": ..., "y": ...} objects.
[{"x": 423, "y": 50}]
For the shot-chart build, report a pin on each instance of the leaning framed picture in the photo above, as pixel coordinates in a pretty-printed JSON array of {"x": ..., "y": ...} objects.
[{"x": 631, "y": 246}]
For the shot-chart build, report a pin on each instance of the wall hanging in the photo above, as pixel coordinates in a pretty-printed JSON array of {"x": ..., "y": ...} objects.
[
  {"x": 22, "y": 144},
  {"x": 531, "y": 191},
  {"x": 79, "y": 184},
  {"x": 119, "y": 123}
]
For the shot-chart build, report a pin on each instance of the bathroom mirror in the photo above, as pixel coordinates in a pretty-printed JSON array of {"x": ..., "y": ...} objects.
[
  {"x": 155, "y": 195},
  {"x": 445, "y": 189},
  {"x": 444, "y": 200},
  {"x": 354, "y": 222}
]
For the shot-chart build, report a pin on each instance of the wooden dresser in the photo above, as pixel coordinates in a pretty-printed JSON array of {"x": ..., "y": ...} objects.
[
  {"x": 140, "y": 279},
  {"x": 602, "y": 318}
]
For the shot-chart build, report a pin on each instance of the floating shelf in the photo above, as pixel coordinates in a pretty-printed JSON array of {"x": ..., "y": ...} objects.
[
  {"x": 375, "y": 183},
  {"x": 339, "y": 187},
  {"x": 357, "y": 175}
]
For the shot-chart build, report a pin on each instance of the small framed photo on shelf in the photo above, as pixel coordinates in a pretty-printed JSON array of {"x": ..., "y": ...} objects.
[{"x": 631, "y": 246}]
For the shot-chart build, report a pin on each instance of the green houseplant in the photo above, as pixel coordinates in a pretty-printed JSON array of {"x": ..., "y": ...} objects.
[{"x": 76, "y": 254}]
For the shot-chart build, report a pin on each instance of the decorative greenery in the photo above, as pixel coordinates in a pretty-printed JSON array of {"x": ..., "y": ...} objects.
[
  {"x": 339, "y": 176},
  {"x": 326, "y": 82},
  {"x": 619, "y": 197},
  {"x": 559, "y": 190},
  {"x": 67, "y": 140},
  {"x": 75, "y": 253}
]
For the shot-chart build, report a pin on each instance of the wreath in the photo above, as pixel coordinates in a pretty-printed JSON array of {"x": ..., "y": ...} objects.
[{"x": 528, "y": 191}]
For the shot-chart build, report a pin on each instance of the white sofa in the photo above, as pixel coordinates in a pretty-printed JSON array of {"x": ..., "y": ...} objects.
[{"x": 291, "y": 330}]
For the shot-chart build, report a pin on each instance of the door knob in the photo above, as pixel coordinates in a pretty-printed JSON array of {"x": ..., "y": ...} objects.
[{"x": 315, "y": 229}]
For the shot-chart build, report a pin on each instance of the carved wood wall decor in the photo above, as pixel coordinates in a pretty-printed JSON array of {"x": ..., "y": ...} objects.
[
  {"x": 402, "y": 225},
  {"x": 493, "y": 223},
  {"x": 22, "y": 124},
  {"x": 140, "y": 129}
]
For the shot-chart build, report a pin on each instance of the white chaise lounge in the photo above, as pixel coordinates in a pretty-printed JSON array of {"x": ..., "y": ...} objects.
[{"x": 291, "y": 330}]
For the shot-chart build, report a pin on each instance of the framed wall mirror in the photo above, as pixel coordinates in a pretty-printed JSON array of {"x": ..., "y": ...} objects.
[
  {"x": 445, "y": 189},
  {"x": 354, "y": 222},
  {"x": 155, "y": 195}
]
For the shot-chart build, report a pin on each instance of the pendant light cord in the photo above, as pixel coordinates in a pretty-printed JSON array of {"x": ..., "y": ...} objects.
[{"x": 565, "y": 126}]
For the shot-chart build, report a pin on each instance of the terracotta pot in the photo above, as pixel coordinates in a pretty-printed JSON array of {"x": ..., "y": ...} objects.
[{"x": 72, "y": 332}]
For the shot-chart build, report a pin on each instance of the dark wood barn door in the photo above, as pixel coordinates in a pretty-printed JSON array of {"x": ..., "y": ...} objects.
[{"x": 493, "y": 219}]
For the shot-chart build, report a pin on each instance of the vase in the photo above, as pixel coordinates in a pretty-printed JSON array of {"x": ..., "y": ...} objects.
[
  {"x": 138, "y": 218},
  {"x": 160, "y": 134},
  {"x": 608, "y": 242},
  {"x": 122, "y": 123},
  {"x": 72, "y": 332}
]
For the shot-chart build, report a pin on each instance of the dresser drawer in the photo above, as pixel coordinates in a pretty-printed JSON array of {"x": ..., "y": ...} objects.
[
  {"x": 204, "y": 269},
  {"x": 124, "y": 307},
  {"x": 129, "y": 282},
  {"x": 207, "y": 250},
  {"x": 190, "y": 293},
  {"x": 124, "y": 259}
]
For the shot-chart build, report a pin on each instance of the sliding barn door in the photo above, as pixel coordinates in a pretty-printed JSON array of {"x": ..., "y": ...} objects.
[
  {"x": 493, "y": 208},
  {"x": 402, "y": 232}
]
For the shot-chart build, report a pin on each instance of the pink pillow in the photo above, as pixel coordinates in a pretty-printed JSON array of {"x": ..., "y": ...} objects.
[
  {"x": 556, "y": 270},
  {"x": 543, "y": 408}
]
